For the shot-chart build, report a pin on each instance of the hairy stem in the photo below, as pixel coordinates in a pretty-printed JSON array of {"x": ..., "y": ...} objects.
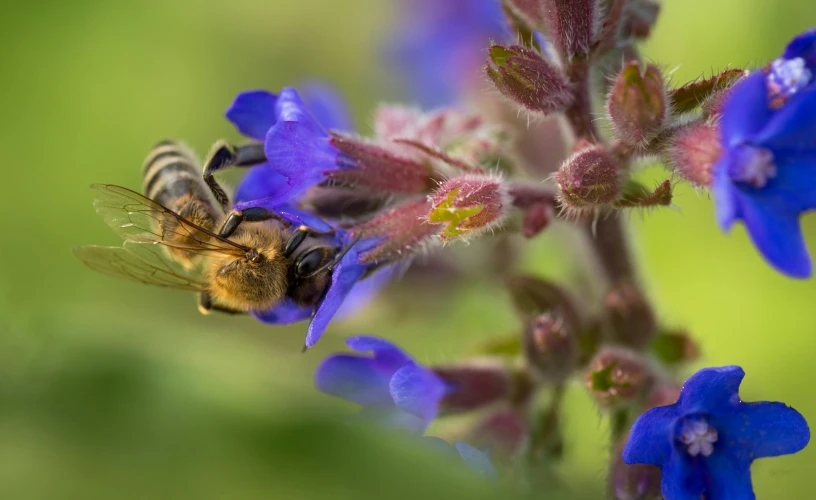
[{"x": 579, "y": 114}]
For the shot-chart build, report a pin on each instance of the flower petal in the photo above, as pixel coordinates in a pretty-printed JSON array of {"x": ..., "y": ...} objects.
[
  {"x": 650, "y": 440},
  {"x": 762, "y": 429},
  {"x": 727, "y": 478},
  {"x": 354, "y": 378},
  {"x": 792, "y": 127},
  {"x": 746, "y": 109},
  {"x": 384, "y": 351},
  {"x": 417, "y": 391},
  {"x": 364, "y": 291},
  {"x": 345, "y": 275},
  {"x": 327, "y": 106},
  {"x": 803, "y": 46},
  {"x": 725, "y": 195},
  {"x": 476, "y": 460},
  {"x": 681, "y": 480},
  {"x": 711, "y": 390},
  {"x": 253, "y": 113},
  {"x": 260, "y": 182},
  {"x": 777, "y": 236},
  {"x": 284, "y": 313}
]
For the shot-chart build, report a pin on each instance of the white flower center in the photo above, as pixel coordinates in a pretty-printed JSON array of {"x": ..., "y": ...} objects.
[
  {"x": 699, "y": 438},
  {"x": 787, "y": 77},
  {"x": 754, "y": 166}
]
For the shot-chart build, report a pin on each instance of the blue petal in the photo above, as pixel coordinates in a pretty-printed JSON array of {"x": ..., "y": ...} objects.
[
  {"x": 476, "y": 461},
  {"x": 417, "y": 390},
  {"x": 384, "y": 351},
  {"x": 725, "y": 194},
  {"x": 253, "y": 113},
  {"x": 354, "y": 378},
  {"x": 365, "y": 291},
  {"x": 650, "y": 440},
  {"x": 727, "y": 478},
  {"x": 777, "y": 236},
  {"x": 284, "y": 313},
  {"x": 681, "y": 479},
  {"x": 762, "y": 429},
  {"x": 746, "y": 110},
  {"x": 327, "y": 106},
  {"x": 297, "y": 146},
  {"x": 803, "y": 46},
  {"x": 345, "y": 275},
  {"x": 260, "y": 182},
  {"x": 393, "y": 418},
  {"x": 793, "y": 127},
  {"x": 711, "y": 390}
]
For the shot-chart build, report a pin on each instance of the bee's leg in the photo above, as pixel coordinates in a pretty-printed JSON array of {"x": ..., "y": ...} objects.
[
  {"x": 251, "y": 214},
  {"x": 299, "y": 235},
  {"x": 224, "y": 155},
  {"x": 206, "y": 306}
]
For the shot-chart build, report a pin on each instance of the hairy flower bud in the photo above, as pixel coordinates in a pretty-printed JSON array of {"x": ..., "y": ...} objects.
[
  {"x": 469, "y": 205},
  {"x": 402, "y": 231},
  {"x": 589, "y": 177},
  {"x": 550, "y": 348},
  {"x": 641, "y": 15},
  {"x": 693, "y": 152},
  {"x": 533, "y": 297},
  {"x": 632, "y": 482},
  {"x": 637, "y": 103},
  {"x": 475, "y": 385},
  {"x": 631, "y": 320},
  {"x": 617, "y": 378},
  {"x": 522, "y": 75},
  {"x": 691, "y": 95},
  {"x": 570, "y": 25}
]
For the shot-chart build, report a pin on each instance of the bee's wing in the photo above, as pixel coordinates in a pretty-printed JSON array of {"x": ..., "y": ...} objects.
[
  {"x": 142, "y": 220},
  {"x": 146, "y": 263}
]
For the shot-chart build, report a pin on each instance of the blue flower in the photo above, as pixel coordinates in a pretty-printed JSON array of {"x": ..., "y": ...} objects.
[
  {"x": 439, "y": 46},
  {"x": 704, "y": 444},
  {"x": 474, "y": 459},
  {"x": 295, "y": 137},
  {"x": 766, "y": 176},
  {"x": 389, "y": 385}
]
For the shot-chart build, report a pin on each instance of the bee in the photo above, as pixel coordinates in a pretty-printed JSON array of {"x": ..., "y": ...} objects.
[{"x": 181, "y": 234}]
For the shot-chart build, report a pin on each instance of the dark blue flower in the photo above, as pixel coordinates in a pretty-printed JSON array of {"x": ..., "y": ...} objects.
[
  {"x": 704, "y": 444},
  {"x": 439, "y": 46},
  {"x": 390, "y": 384},
  {"x": 766, "y": 176},
  {"x": 295, "y": 137}
]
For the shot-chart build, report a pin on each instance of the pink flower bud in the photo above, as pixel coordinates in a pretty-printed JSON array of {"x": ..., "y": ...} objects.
[
  {"x": 631, "y": 320},
  {"x": 522, "y": 75},
  {"x": 693, "y": 152},
  {"x": 637, "y": 104},
  {"x": 641, "y": 15},
  {"x": 550, "y": 348},
  {"x": 536, "y": 219},
  {"x": 475, "y": 385},
  {"x": 617, "y": 378},
  {"x": 570, "y": 25},
  {"x": 588, "y": 178},
  {"x": 403, "y": 231},
  {"x": 377, "y": 167},
  {"x": 469, "y": 205}
]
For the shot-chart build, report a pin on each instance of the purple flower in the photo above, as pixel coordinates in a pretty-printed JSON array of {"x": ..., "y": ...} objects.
[
  {"x": 439, "y": 46},
  {"x": 766, "y": 176},
  {"x": 388, "y": 384},
  {"x": 295, "y": 137},
  {"x": 704, "y": 444}
]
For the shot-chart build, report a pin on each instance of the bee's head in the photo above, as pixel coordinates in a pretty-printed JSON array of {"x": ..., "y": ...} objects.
[{"x": 255, "y": 280}]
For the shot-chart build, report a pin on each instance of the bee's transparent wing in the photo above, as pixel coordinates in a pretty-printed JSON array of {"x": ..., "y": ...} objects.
[
  {"x": 146, "y": 263},
  {"x": 142, "y": 220}
]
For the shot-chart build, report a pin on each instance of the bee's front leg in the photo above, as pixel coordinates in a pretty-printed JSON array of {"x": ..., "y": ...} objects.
[
  {"x": 224, "y": 155},
  {"x": 206, "y": 306}
]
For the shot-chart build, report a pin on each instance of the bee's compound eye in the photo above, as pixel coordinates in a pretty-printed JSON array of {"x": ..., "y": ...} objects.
[{"x": 309, "y": 262}]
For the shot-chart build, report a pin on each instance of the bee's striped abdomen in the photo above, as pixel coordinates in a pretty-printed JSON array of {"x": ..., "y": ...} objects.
[{"x": 171, "y": 173}]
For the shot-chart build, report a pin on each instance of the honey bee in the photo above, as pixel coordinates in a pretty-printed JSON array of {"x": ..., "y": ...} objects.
[{"x": 176, "y": 237}]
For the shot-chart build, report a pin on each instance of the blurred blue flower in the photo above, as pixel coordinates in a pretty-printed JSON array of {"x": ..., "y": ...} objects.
[
  {"x": 766, "y": 176},
  {"x": 704, "y": 444},
  {"x": 439, "y": 46},
  {"x": 295, "y": 137},
  {"x": 474, "y": 459},
  {"x": 390, "y": 385}
]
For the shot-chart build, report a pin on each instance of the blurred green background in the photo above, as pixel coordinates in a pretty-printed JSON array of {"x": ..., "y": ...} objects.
[{"x": 110, "y": 388}]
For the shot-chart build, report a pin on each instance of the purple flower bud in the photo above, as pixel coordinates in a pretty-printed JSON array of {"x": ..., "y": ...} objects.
[
  {"x": 570, "y": 25},
  {"x": 693, "y": 152},
  {"x": 474, "y": 385},
  {"x": 631, "y": 320},
  {"x": 632, "y": 482},
  {"x": 522, "y": 75},
  {"x": 536, "y": 219},
  {"x": 641, "y": 16},
  {"x": 469, "y": 205},
  {"x": 637, "y": 103},
  {"x": 616, "y": 378},
  {"x": 550, "y": 348},
  {"x": 588, "y": 178},
  {"x": 402, "y": 232},
  {"x": 378, "y": 167}
]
